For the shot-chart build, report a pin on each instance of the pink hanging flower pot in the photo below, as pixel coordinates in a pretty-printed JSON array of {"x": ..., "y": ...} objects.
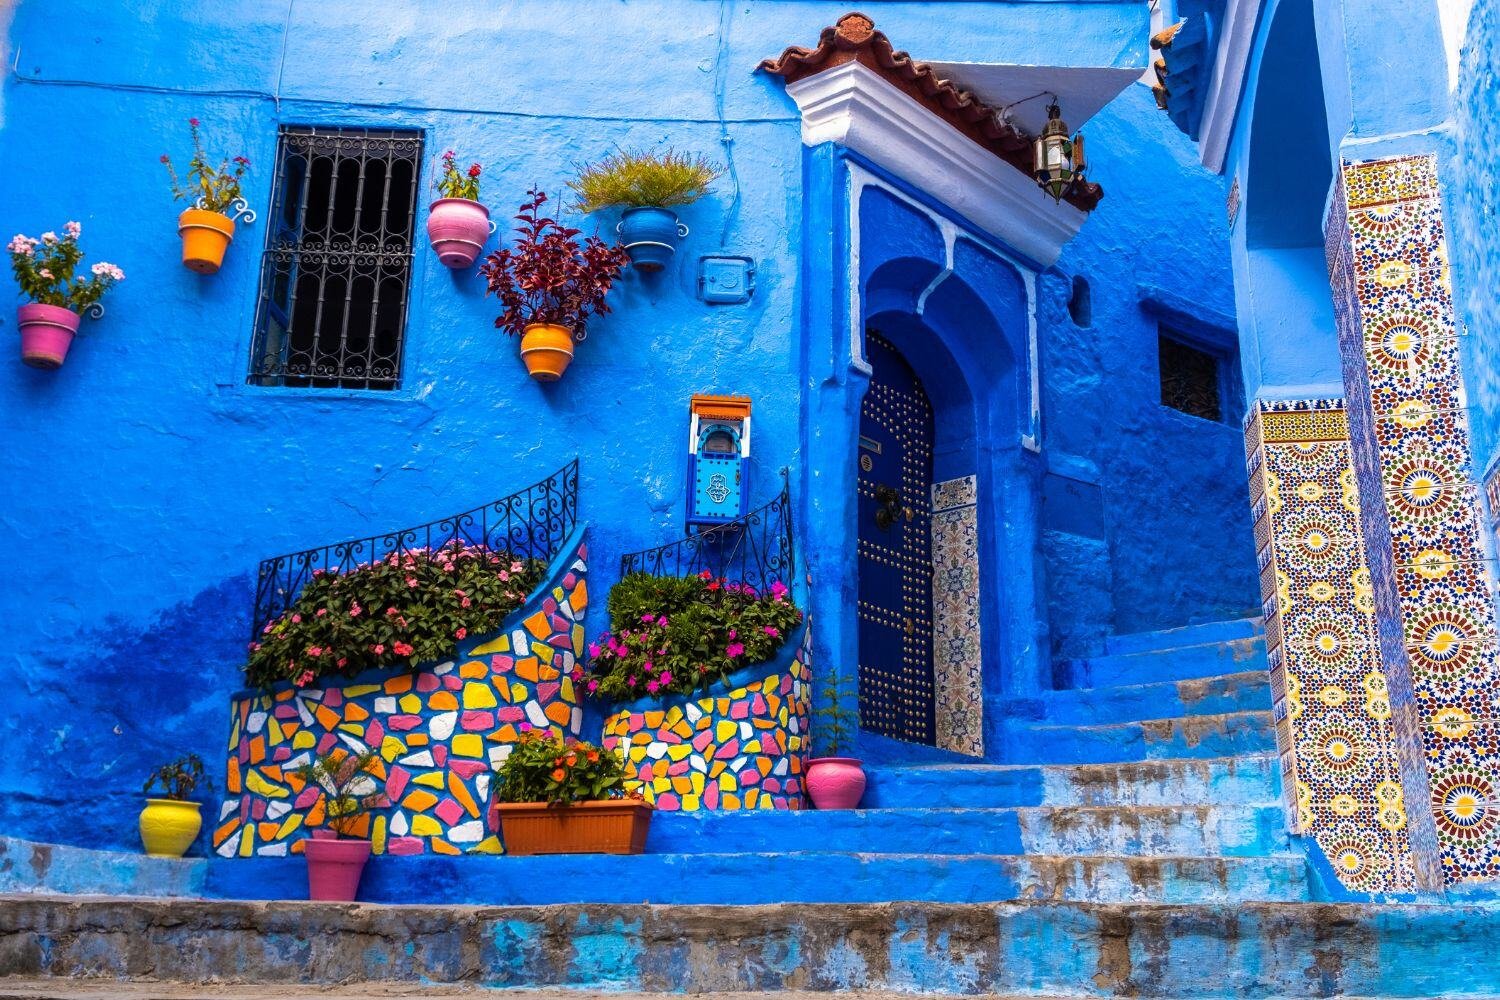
[
  {"x": 458, "y": 229},
  {"x": 46, "y": 334}
]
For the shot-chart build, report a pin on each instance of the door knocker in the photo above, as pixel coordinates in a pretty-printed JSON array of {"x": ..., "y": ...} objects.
[{"x": 890, "y": 507}]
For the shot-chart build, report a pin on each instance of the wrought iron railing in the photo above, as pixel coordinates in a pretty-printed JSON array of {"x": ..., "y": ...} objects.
[
  {"x": 532, "y": 523},
  {"x": 755, "y": 549}
]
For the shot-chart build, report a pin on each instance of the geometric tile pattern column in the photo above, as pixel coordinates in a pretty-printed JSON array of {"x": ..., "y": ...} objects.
[
  {"x": 956, "y": 655},
  {"x": 1398, "y": 339},
  {"x": 1339, "y": 765}
]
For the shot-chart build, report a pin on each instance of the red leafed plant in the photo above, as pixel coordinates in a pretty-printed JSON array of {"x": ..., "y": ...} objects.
[{"x": 549, "y": 275}]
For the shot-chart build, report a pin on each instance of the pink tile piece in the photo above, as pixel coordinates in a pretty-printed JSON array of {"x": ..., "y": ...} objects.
[
  {"x": 258, "y": 809},
  {"x": 404, "y": 723},
  {"x": 547, "y": 690},
  {"x": 281, "y": 753},
  {"x": 700, "y": 742},
  {"x": 405, "y": 845},
  {"x": 679, "y": 767},
  {"x": 549, "y": 606},
  {"x": 711, "y": 796},
  {"x": 395, "y": 782},
  {"x": 468, "y": 769},
  {"x": 501, "y": 664},
  {"x": 427, "y": 682},
  {"x": 440, "y": 754},
  {"x": 727, "y": 750},
  {"x": 307, "y": 797},
  {"x": 739, "y": 709},
  {"x": 449, "y": 811},
  {"x": 327, "y": 743},
  {"x": 333, "y": 697},
  {"x": 477, "y": 720},
  {"x": 569, "y": 582},
  {"x": 453, "y": 682},
  {"x": 511, "y": 713},
  {"x": 375, "y": 733}
]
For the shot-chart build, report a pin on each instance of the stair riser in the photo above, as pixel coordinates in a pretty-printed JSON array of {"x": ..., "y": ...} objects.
[
  {"x": 1203, "y": 831},
  {"x": 1189, "y": 635},
  {"x": 1182, "y": 738},
  {"x": 1096, "y": 706},
  {"x": 1235, "y": 657},
  {"x": 1226, "y": 950}
]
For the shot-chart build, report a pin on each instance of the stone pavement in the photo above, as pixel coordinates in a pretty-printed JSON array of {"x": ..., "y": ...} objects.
[{"x": 96, "y": 989}]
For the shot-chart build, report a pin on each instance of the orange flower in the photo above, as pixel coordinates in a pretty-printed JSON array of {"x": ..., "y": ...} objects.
[
  {"x": 593, "y": 756},
  {"x": 559, "y": 774},
  {"x": 572, "y": 759}
]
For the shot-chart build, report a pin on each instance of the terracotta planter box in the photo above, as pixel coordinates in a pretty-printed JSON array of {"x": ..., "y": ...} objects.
[{"x": 607, "y": 827}]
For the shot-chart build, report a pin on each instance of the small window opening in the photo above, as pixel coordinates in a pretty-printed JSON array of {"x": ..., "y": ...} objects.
[
  {"x": 1192, "y": 379},
  {"x": 719, "y": 443},
  {"x": 1081, "y": 302}
]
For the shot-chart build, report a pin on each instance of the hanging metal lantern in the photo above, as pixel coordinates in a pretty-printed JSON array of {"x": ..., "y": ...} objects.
[{"x": 1059, "y": 162}]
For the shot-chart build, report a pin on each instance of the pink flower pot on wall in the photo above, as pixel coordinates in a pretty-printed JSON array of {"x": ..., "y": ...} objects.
[
  {"x": 46, "y": 334},
  {"x": 458, "y": 229},
  {"x": 334, "y": 867},
  {"x": 835, "y": 782}
]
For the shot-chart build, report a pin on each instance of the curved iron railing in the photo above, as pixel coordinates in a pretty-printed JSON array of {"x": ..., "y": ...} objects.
[
  {"x": 532, "y": 523},
  {"x": 755, "y": 549}
]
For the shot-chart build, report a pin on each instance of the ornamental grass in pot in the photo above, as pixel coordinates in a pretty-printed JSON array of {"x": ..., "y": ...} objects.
[
  {"x": 170, "y": 822},
  {"x": 45, "y": 269},
  {"x": 457, "y": 224},
  {"x": 549, "y": 283},
  {"x": 337, "y": 849},
  {"x": 557, "y": 796},
  {"x": 835, "y": 781},
  {"x": 207, "y": 227},
  {"x": 647, "y": 186}
]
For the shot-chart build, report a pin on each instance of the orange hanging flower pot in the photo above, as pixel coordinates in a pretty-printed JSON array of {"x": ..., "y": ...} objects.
[
  {"x": 547, "y": 350},
  {"x": 205, "y": 237}
]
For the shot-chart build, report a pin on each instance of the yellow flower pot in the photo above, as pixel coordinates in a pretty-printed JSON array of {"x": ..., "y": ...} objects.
[
  {"x": 205, "y": 237},
  {"x": 168, "y": 826}
]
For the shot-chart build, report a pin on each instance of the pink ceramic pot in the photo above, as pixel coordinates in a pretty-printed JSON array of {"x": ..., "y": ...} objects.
[
  {"x": 458, "y": 229},
  {"x": 46, "y": 334},
  {"x": 835, "y": 782},
  {"x": 334, "y": 867}
]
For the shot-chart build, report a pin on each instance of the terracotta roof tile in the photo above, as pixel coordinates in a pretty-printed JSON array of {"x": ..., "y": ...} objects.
[{"x": 855, "y": 39}]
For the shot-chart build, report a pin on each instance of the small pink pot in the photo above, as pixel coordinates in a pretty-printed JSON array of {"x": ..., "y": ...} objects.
[
  {"x": 458, "y": 229},
  {"x": 46, "y": 334},
  {"x": 334, "y": 867},
  {"x": 835, "y": 782}
]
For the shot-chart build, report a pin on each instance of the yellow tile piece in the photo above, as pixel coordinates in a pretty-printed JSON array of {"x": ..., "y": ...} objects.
[
  {"x": 517, "y": 693},
  {"x": 468, "y": 745},
  {"x": 677, "y": 751},
  {"x": 247, "y": 840},
  {"x": 360, "y": 690},
  {"x": 418, "y": 799},
  {"x": 725, "y": 730},
  {"x": 410, "y": 704},
  {"x": 377, "y": 836},
  {"x": 500, "y": 645},
  {"x": 423, "y": 825},
  {"x": 289, "y": 825},
  {"x": 567, "y": 690},
  {"x": 478, "y": 695},
  {"x": 390, "y": 748},
  {"x": 261, "y": 786},
  {"x": 277, "y": 735},
  {"x": 432, "y": 779},
  {"x": 689, "y": 802},
  {"x": 353, "y": 730},
  {"x": 489, "y": 845}
]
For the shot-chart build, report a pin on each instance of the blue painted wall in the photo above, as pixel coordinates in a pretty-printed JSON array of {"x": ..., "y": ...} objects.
[{"x": 144, "y": 480}]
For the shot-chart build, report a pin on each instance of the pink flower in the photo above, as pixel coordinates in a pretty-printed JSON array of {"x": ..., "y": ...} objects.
[
  {"x": 778, "y": 590},
  {"x": 243, "y": 161},
  {"x": 772, "y": 631},
  {"x": 44, "y": 273},
  {"x": 593, "y": 686},
  {"x": 735, "y": 649},
  {"x": 504, "y": 575},
  {"x": 306, "y": 678},
  {"x": 49, "y": 237},
  {"x": 378, "y": 648},
  {"x": 666, "y": 677},
  {"x": 165, "y": 158},
  {"x": 651, "y": 686},
  {"x": 403, "y": 649},
  {"x": 343, "y": 660},
  {"x": 473, "y": 170},
  {"x": 714, "y": 585},
  {"x": 593, "y": 649},
  {"x": 733, "y": 634},
  {"x": 354, "y": 609},
  {"x": 296, "y": 618},
  {"x": 314, "y": 650},
  {"x": 322, "y": 612},
  {"x": 411, "y": 581},
  {"x": 193, "y": 122},
  {"x": 73, "y": 229},
  {"x": 649, "y": 619},
  {"x": 389, "y": 612},
  {"x": 462, "y": 633},
  {"x": 630, "y": 680}
]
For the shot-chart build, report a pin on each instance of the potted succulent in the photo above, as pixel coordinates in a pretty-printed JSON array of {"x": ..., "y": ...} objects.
[
  {"x": 834, "y": 781},
  {"x": 44, "y": 268},
  {"x": 170, "y": 824},
  {"x": 647, "y": 186},
  {"x": 206, "y": 227},
  {"x": 557, "y": 797},
  {"x": 457, "y": 225},
  {"x": 337, "y": 851},
  {"x": 549, "y": 284}
]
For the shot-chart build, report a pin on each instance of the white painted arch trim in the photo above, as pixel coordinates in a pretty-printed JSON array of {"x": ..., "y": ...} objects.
[
  {"x": 855, "y": 107},
  {"x": 1227, "y": 82}
]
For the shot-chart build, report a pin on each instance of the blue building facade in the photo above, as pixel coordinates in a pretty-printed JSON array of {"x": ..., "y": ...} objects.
[{"x": 1069, "y": 499}]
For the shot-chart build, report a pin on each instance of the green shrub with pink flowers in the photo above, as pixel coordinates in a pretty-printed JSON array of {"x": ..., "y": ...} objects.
[
  {"x": 410, "y": 607},
  {"x": 675, "y": 635},
  {"x": 46, "y": 269}
]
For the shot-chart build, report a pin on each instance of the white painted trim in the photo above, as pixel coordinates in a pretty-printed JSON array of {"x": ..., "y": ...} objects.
[
  {"x": 859, "y": 179},
  {"x": 1227, "y": 82},
  {"x": 855, "y": 107}
]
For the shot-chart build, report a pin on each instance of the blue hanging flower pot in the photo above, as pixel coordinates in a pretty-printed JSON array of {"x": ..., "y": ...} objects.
[{"x": 650, "y": 236}]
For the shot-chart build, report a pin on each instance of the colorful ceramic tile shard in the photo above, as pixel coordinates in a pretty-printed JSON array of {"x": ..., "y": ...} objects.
[
  {"x": 1403, "y": 374},
  {"x": 1339, "y": 765},
  {"x": 438, "y": 731},
  {"x": 743, "y": 748}
]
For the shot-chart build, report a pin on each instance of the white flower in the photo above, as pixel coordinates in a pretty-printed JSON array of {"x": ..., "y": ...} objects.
[
  {"x": 105, "y": 269},
  {"x": 44, "y": 273},
  {"x": 49, "y": 237},
  {"x": 73, "y": 229},
  {"x": 21, "y": 245}
]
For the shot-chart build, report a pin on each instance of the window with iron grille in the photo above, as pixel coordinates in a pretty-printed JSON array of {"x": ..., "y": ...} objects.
[
  {"x": 1192, "y": 380},
  {"x": 337, "y": 263}
]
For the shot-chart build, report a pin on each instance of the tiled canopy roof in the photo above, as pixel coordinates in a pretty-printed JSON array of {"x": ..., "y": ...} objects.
[
  {"x": 1181, "y": 71},
  {"x": 854, "y": 39}
]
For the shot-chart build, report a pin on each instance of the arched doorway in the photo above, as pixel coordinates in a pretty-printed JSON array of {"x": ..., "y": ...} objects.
[{"x": 894, "y": 549}]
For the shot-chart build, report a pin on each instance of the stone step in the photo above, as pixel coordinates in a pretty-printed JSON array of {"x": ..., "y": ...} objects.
[
  {"x": 1225, "y": 735},
  {"x": 1251, "y": 779},
  {"x": 29, "y": 866},
  {"x": 1212, "y": 659},
  {"x": 111, "y": 989},
  {"x": 1207, "y": 830},
  {"x": 1035, "y": 948},
  {"x": 1186, "y": 635},
  {"x": 1241, "y": 692}
]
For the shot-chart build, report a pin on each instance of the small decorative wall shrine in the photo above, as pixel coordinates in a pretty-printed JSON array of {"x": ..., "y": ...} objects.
[{"x": 718, "y": 459}]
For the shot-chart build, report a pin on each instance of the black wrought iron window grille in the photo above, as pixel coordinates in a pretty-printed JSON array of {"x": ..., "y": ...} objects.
[
  {"x": 336, "y": 270},
  {"x": 533, "y": 523},
  {"x": 1193, "y": 380},
  {"x": 755, "y": 549}
]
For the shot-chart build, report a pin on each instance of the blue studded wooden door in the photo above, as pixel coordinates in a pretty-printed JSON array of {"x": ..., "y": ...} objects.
[{"x": 895, "y": 550}]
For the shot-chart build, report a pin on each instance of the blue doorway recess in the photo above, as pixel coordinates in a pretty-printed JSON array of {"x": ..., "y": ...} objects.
[{"x": 894, "y": 502}]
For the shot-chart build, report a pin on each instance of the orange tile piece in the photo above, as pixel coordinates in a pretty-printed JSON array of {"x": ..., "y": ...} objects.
[
  {"x": 526, "y": 669},
  {"x": 267, "y": 831},
  {"x": 233, "y": 781},
  {"x": 416, "y": 739},
  {"x": 296, "y": 781},
  {"x": 361, "y": 826},
  {"x": 327, "y": 717},
  {"x": 273, "y": 771},
  {"x": 354, "y": 713},
  {"x": 317, "y": 814},
  {"x": 461, "y": 793},
  {"x": 539, "y": 626},
  {"x": 398, "y": 685},
  {"x": 224, "y": 832},
  {"x": 473, "y": 670},
  {"x": 442, "y": 701},
  {"x": 257, "y": 749},
  {"x": 559, "y": 713},
  {"x": 443, "y": 847},
  {"x": 419, "y": 799}
]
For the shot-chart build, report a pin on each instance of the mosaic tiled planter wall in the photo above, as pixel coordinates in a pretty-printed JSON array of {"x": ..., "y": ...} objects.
[
  {"x": 1403, "y": 376},
  {"x": 439, "y": 730},
  {"x": 1339, "y": 767},
  {"x": 741, "y": 745}
]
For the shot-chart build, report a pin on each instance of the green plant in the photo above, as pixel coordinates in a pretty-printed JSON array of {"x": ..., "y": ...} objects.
[
  {"x": 44, "y": 269},
  {"x": 347, "y": 788},
  {"x": 638, "y": 179},
  {"x": 411, "y": 606},
  {"x": 211, "y": 188},
  {"x": 674, "y": 635},
  {"x": 542, "y": 767},
  {"x": 836, "y": 723},
  {"x": 176, "y": 779},
  {"x": 455, "y": 183}
]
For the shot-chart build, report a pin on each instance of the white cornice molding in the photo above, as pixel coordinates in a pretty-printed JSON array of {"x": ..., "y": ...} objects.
[
  {"x": 855, "y": 107},
  {"x": 1227, "y": 82}
]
